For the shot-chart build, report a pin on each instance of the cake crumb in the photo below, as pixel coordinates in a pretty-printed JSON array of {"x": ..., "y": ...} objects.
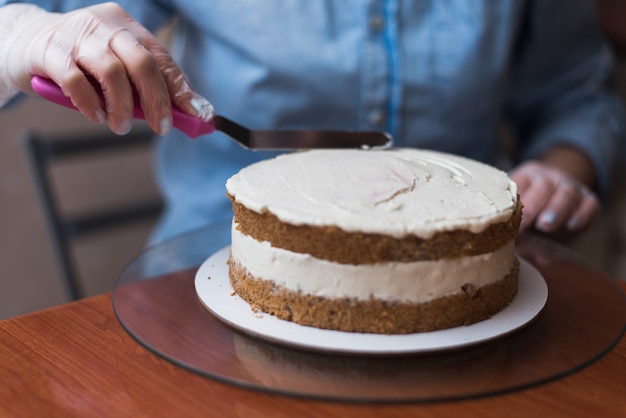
[{"x": 470, "y": 290}]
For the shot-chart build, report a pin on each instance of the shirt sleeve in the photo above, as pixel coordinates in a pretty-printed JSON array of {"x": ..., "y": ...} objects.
[{"x": 562, "y": 87}]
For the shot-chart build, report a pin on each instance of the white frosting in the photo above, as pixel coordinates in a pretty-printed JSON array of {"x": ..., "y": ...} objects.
[
  {"x": 416, "y": 282},
  {"x": 396, "y": 192}
]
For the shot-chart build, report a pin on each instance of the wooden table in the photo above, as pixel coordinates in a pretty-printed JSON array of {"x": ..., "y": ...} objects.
[{"x": 77, "y": 360}]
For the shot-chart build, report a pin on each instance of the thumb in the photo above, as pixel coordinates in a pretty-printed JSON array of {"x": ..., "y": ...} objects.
[{"x": 183, "y": 96}]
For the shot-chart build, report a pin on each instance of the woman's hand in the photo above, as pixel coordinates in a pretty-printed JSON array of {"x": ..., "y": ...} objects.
[
  {"x": 554, "y": 201},
  {"x": 101, "y": 44}
]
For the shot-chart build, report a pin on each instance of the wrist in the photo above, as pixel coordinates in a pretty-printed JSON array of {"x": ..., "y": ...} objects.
[
  {"x": 15, "y": 20},
  {"x": 571, "y": 162}
]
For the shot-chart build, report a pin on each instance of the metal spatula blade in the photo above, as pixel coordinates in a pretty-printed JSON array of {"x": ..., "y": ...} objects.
[
  {"x": 247, "y": 138},
  {"x": 300, "y": 139}
]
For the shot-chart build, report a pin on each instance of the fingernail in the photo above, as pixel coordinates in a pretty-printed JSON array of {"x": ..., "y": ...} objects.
[
  {"x": 548, "y": 217},
  {"x": 547, "y": 220},
  {"x": 101, "y": 116},
  {"x": 125, "y": 127},
  {"x": 204, "y": 109},
  {"x": 573, "y": 223},
  {"x": 165, "y": 125}
]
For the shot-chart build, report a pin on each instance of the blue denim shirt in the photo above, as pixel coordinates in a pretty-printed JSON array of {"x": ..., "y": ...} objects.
[{"x": 435, "y": 74}]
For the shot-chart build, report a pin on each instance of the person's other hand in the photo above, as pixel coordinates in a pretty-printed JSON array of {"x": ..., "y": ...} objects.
[
  {"x": 102, "y": 44},
  {"x": 554, "y": 202}
]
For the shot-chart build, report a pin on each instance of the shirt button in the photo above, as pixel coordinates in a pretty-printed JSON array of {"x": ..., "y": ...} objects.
[
  {"x": 378, "y": 117},
  {"x": 376, "y": 23}
]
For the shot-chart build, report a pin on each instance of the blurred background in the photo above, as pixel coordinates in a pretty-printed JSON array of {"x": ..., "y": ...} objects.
[{"x": 30, "y": 278}]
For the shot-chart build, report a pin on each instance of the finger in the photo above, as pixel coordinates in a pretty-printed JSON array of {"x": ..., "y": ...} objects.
[
  {"x": 117, "y": 93},
  {"x": 75, "y": 85},
  {"x": 153, "y": 95},
  {"x": 585, "y": 212},
  {"x": 560, "y": 206},
  {"x": 56, "y": 62},
  {"x": 523, "y": 182},
  {"x": 177, "y": 88},
  {"x": 181, "y": 94},
  {"x": 535, "y": 198},
  {"x": 142, "y": 70},
  {"x": 139, "y": 50}
]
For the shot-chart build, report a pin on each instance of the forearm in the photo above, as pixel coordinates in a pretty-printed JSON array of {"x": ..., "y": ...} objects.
[
  {"x": 13, "y": 17},
  {"x": 569, "y": 101}
]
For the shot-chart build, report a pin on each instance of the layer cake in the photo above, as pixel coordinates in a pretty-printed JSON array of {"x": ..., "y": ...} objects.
[{"x": 379, "y": 241}]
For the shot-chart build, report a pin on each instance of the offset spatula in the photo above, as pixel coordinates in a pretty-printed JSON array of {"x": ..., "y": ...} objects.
[{"x": 248, "y": 138}]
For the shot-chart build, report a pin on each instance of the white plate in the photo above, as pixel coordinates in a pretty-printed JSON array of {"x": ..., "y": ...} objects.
[{"x": 215, "y": 292}]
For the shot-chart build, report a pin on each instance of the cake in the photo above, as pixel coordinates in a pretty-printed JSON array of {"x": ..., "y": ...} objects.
[{"x": 390, "y": 241}]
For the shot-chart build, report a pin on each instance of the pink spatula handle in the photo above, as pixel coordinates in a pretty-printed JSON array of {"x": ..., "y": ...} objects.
[{"x": 190, "y": 125}]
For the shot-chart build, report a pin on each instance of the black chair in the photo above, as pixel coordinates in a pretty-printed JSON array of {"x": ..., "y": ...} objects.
[{"x": 43, "y": 152}]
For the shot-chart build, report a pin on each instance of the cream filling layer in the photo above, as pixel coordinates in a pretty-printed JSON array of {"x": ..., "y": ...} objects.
[{"x": 416, "y": 282}]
